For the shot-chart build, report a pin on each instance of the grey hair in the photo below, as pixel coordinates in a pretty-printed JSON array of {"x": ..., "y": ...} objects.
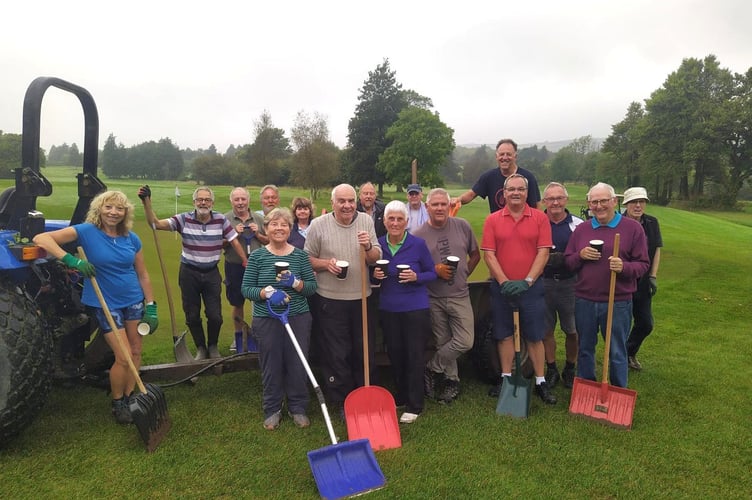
[
  {"x": 515, "y": 176},
  {"x": 602, "y": 185},
  {"x": 558, "y": 185},
  {"x": 342, "y": 185},
  {"x": 278, "y": 213},
  {"x": 273, "y": 187},
  {"x": 395, "y": 206},
  {"x": 240, "y": 188},
  {"x": 203, "y": 188},
  {"x": 438, "y": 192}
]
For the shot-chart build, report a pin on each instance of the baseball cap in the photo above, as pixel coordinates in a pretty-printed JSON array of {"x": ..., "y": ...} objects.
[
  {"x": 414, "y": 187},
  {"x": 635, "y": 193}
]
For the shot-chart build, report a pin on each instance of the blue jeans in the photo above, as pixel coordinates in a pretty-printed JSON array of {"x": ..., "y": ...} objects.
[{"x": 591, "y": 317}]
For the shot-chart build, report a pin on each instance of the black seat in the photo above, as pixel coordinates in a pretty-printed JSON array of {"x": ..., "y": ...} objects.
[{"x": 7, "y": 204}]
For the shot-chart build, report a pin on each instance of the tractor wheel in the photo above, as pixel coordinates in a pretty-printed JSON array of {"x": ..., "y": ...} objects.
[{"x": 25, "y": 361}]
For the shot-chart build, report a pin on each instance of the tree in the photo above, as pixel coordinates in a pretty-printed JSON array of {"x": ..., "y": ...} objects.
[
  {"x": 314, "y": 165},
  {"x": 480, "y": 161},
  {"x": 533, "y": 159},
  {"x": 10, "y": 154},
  {"x": 75, "y": 158},
  {"x": 114, "y": 158},
  {"x": 623, "y": 145},
  {"x": 417, "y": 134},
  {"x": 267, "y": 156},
  {"x": 736, "y": 133}
]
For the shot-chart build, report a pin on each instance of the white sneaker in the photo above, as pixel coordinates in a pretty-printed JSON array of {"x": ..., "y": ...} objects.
[{"x": 408, "y": 418}]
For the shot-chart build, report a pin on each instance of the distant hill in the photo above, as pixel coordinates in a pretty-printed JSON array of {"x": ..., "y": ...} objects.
[{"x": 552, "y": 146}]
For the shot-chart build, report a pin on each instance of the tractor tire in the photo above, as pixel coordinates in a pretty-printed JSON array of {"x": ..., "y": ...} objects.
[{"x": 25, "y": 361}]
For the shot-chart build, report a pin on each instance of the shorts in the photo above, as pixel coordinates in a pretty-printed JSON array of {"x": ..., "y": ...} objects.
[
  {"x": 233, "y": 280},
  {"x": 532, "y": 307},
  {"x": 131, "y": 313},
  {"x": 560, "y": 302}
]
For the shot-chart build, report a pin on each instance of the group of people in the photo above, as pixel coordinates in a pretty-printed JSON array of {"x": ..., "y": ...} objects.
[{"x": 416, "y": 258}]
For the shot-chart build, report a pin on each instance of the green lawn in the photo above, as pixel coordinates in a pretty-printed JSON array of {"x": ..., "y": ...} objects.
[{"x": 692, "y": 433}]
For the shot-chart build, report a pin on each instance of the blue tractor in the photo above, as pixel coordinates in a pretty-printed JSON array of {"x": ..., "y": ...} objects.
[{"x": 45, "y": 332}]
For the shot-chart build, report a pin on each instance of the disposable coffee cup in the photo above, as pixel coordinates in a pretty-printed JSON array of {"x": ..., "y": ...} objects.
[
  {"x": 144, "y": 329},
  {"x": 280, "y": 267},
  {"x": 383, "y": 264},
  {"x": 402, "y": 267},
  {"x": 597, "y": 244},
  {"x": 343, "y": 265},
  {"x": 452, "y": 261}
]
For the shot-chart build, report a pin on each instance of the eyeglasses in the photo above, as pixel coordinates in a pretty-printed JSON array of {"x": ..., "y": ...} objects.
[
  {"x": 413, "y": 193},
  {"x": 519, "y": 190},
  {"x": 203, "y": 200},
  {"x": 603, "y": 202},
  {"x": 555, "y": 199}
]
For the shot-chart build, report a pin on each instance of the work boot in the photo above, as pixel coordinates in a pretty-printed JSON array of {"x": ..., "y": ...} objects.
[
  {"x": 201, "y": 353},
  {"x": 633, "y": 363},
  {"x": 552, "y": 377},
  {"x": 431, "y": 380},
  {"x": 214, "y": 352},
  {"x": 451, "y": 391},
  {"x": 567, "y": 376},
  {"x": 121, "y": 412},
  {"x": 543, "y": 391}
]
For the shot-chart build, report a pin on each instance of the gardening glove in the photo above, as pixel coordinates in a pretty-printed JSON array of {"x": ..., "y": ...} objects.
[
  {"x": 84, "y": 267},
  {"x": 556, "y": 260},
  {"x": 144, "y": 192},
  {"x": 286, "y": 278},
  {"x": 653, "y": 285},
  {"x": 514, "y": 288},
  {"x": 444, "y": 271},
  {"x": 279, "y": 298},
  {"x": 150, "y": 316}
]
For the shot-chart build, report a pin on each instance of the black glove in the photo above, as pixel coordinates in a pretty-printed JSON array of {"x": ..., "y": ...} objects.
[
  {"x": 556, "y": 260},
  {"x": 144, "y": 192},
  {"x": 653, "y": 285}
]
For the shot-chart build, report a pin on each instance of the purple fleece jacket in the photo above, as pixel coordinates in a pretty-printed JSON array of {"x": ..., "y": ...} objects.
[
  {"x": 413, "y": 296},
  {"x": 594, "y": 276}
]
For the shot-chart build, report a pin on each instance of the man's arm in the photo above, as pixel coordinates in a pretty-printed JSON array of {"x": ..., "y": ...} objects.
[
  {"x": 489, "y": 256},
  {"x": 473, "y": 258},
  {"x": 239, "y": 250},
  {"x": 151, "y": 217},
  {"x": 656, "y": 263},
  {"x": 541, "y": 258},
  {"x": 464, "y": 198}
]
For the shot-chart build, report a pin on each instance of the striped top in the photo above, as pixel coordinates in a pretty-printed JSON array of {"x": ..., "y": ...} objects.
[{"x": 202, "y": 242}]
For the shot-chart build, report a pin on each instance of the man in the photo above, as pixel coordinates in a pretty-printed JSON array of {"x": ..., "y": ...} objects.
[
  {"x": 451, "y": 310},
  {"x": 516, "y": 243},
  {"x": 249, "y": 226},
  {"x": 491, "y": 183},
  {"x": 416, "y": 209},
  {"x": 368, "y": 204},
  {"x": 594, "y": 269},
  {"x": 558, "y": 286},
  {"x": 339, "y": 236},
  {"x": 203, "y": 232},
  {"x": 269, "y": 201},
  {"x": 636, "y": 199}
]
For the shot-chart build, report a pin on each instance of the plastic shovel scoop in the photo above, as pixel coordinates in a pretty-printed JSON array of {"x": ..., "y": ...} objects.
[{"x": 341, "y": 469}]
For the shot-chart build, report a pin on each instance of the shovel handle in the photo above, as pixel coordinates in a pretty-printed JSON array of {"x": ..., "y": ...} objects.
[
  {"x": 364, "y": 314},
  {"x": 516, "y": 317},
  {"x": 610, "y": 313},
  {"x": 168, "y": 290},
  {"x": 115, "y": 330}
]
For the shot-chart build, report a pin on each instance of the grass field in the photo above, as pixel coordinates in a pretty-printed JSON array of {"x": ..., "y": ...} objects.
[{"x": 692, "y": 433}]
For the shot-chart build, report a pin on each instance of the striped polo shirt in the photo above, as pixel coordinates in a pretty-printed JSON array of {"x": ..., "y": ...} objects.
[{"x": 202, "y": 241}]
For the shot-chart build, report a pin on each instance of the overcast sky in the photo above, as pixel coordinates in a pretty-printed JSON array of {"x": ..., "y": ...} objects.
[{"x": 202, "y": 73}]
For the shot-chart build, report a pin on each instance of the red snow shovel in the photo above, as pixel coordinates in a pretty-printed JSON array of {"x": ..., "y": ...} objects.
[
  {"x": 149, "y": 409},
  {"x": 370, "y": 410},
  {"x": 603, "y": 402},
  {"x": 344, "y": 469}
]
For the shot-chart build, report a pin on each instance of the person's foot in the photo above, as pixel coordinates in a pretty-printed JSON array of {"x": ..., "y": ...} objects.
[
  {"x": 201, "y": 353},
  {"x": 633, "y": 363},
  {"x": 214, "y": 352},
  {"x": 121, "y": 412},
  {"x": 544, "y": 392},
  {"x": 272, "y": 421},
  {"x": 451, "y": 391},
  {"x": 552, "y": 377},
  {"x": 431, "y": 380},
  {"x": 233, "y": 348},
  {"x": 408, "y": 418},
  {"x": 495, "y": 390},
  {"x": 567, "y": 376},
  {"x": 251, "y": 345},
  {"x": 300, "y": 419}
]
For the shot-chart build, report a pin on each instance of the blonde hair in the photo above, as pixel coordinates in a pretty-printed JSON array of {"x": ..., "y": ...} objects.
[{"x": 118, "y": 198}]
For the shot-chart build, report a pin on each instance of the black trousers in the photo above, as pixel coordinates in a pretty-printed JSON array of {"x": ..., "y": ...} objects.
[
  {"x": 195, "y": 286},
  {"x": 406, "y": 335},
  {"x": 642, "y": 313}
]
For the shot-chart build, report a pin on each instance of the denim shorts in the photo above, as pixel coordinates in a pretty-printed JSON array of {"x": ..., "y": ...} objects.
[{"x": 120, "y": 316}]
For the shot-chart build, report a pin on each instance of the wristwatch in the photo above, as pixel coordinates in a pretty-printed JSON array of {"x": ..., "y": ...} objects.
[{"x": 529, "y": 281}]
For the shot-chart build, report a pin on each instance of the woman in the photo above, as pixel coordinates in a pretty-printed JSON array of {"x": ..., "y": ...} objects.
[
  {"x": 282, "y": 373},
  {"x": 302, "y": 214},
  {"x": 404, "y": 307},
  {"x": 114, "y": 254}
]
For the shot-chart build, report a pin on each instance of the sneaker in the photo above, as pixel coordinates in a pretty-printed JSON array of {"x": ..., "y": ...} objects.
[
  {"x": 543, "y": 391},
  {"x": 633, "y": 363},
  {"x": 121, "y": 412},
  {"x": 272, "y": 422},
  {"x": 233, "y": 348},
  {"x": 567, "y": 377},
  {"x": 552, "y": 377},
  {"x": 300, "y": 420},
  {"x": 201, "y": 353},
  {"x": 214, "y": 352},
  {"x": 431, "y": 380},
  {"x": 451, "y": 391},
  {"x": 408, "y": 418}
]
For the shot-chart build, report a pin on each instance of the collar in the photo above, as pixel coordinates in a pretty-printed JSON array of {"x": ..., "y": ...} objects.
[{"x": 612, "y": 224}]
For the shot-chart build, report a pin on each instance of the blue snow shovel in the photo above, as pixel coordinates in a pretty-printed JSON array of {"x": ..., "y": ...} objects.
[{"x": 340, "y": 470}]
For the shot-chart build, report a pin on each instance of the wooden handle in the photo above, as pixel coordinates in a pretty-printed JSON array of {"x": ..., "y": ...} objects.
[
  {"x": 610, "y": 312},
  {"x": 115, "y": 330},
  {"x": 168, "y": 290},
  {"x": 364, "y": 314},
  {"x": 516, "y": 316}
]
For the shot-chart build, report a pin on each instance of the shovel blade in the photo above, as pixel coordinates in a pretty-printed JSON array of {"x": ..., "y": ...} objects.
[
  {"x": 603, "y": 402},
  {"x": 149, "y": 412},
  {"x": 182, "y": 354},
  {"x": 514, "y": 399},
  {"x": 371, "y": 414},
  {"x": 346, "y": 469}
]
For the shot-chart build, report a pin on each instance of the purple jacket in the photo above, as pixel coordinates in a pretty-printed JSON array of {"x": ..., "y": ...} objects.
[
  {"x": 594, "y": 276},
  {"x": 413, "y": 296}
]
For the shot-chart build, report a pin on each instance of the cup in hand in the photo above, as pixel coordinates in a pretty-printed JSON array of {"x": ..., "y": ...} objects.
[
  {"x": 280, "y": 267},
  {"x": 400, "y": 269},
  {"x": 597, "y": 244},
  {"x": 343, "y": 265},
  {"x": 452, "y": 261},
  {"x": 383, "y": 265}
]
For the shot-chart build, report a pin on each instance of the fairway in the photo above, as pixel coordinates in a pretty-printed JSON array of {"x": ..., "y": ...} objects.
[{"x": 691, "y": 436}]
